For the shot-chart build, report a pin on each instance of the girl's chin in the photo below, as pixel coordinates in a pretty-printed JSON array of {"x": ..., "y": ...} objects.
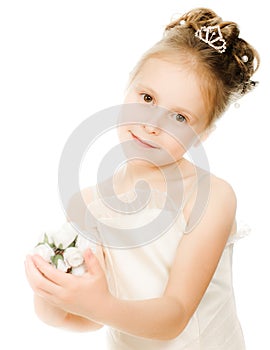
[
  {"x": 141, "y": 163},
  {"x": 147, "y": 165}
]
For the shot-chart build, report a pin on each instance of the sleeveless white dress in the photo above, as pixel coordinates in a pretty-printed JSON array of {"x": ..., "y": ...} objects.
[{"x": 142, "y": 272}]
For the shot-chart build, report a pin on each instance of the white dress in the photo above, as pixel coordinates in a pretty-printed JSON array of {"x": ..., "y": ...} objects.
[{"x": 142, "y": 272}]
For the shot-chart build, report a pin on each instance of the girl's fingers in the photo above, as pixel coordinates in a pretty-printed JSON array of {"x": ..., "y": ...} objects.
[
  {"x": 57, "y": 277},
  {"x": 32, "y": 274},
  {"x": 92, "y": 263},
  {"x": 37, "y": 280}
]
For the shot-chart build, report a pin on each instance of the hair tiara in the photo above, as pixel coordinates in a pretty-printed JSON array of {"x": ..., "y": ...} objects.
[{"x": 212, "y": 36}]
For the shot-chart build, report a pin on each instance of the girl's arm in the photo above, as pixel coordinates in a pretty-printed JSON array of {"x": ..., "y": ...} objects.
[
  {"x": 51, "y": 314},
  {"x": 160, "y": 318},
  {"x": 54, "y": 316}
]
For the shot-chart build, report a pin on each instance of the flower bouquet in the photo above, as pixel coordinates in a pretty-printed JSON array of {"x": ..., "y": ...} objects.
[{"x": 64, "y": 249}]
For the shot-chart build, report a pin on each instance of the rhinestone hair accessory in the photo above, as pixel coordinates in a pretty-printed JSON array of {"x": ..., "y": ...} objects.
[
  {"x": 212, "y": 36},
  {"x": 244, "y": 58}
]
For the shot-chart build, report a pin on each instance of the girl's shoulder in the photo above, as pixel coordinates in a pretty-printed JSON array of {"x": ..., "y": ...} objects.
[
  {"x": 220, "y": 184},
  {"x": 206, "y": 188},
  {"x": 222, "y": 188},
  {"x": 201, "y": 177},
  {"x": 79, "y": 202},
  {"x": 196, "y": 175}
]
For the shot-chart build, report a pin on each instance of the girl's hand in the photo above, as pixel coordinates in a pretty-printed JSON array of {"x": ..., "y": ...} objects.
[{"x": 85, "y": 295}]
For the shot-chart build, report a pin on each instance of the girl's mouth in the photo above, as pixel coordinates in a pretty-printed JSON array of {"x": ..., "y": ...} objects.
[{"x": 141, "y": 142}]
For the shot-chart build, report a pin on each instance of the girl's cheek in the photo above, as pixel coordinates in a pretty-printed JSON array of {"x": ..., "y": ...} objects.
[
  {"x": 175, "y": 148},
  {"x": 176, "y": 151},
  {"x": 122, "y": 132}
]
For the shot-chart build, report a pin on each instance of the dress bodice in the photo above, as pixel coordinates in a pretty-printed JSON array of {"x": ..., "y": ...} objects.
[{"x": 142, "y": 272}]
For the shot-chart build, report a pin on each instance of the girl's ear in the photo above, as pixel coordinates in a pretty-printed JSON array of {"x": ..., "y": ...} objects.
[{"x": 204, "y": 134}]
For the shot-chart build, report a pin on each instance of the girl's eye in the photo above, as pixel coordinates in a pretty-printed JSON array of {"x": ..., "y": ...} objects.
[
  {"x": 147, "y": 98},
  {"x": 180, "y": 118}
]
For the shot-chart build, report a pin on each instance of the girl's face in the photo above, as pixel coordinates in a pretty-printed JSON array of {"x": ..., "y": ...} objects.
[{"x": 176, "y": 89}]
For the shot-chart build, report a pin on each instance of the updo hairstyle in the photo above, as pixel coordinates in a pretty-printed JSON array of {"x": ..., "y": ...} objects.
[{"x": 224, "y": 77}]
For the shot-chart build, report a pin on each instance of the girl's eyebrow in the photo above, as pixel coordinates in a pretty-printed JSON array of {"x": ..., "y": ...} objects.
[{"x": 143, "y": 87}]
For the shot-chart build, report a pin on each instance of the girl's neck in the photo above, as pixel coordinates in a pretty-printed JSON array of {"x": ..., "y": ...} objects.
[{"x": 127, "y": 176}]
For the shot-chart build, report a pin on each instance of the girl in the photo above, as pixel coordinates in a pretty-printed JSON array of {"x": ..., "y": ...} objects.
[{"x": 174, "y": 291}]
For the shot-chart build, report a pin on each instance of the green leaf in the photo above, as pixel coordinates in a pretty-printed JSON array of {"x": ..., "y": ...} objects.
[
  {"x": 55, "y": 259},
  {"x": 52, "y": 245},
  {"x": 73, "y": 244},
  {"x": 46, "y": 239},
  {"x": 52, "y": 259}
]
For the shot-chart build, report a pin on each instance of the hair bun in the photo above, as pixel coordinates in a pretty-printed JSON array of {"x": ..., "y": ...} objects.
[
  {"x": 203, "y": 17},
  {"x": 196, "y": 19},
  {"x": 236, "y": 48},
  {"x": 200, "y": 17},
  {"x": 230, "y": 32}
]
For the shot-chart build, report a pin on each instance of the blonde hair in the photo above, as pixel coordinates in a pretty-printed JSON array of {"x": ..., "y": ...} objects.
[{"x": 224, "y": 77}]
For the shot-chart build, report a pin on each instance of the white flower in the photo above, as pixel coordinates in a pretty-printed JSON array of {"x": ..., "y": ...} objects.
[
  {"x": 83, "y": 243},
  {"x": 61, "y": 265},
  {"x": 45, "y": 251},
  {"x": 73, "y": 256},
  {"x": 65, "y": 236},
  {"x": 79, "y": 270}
]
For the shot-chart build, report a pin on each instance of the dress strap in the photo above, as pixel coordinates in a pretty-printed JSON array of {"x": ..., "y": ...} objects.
[
  {"x": 201, "y": 199},
  {"x": 201, "y": 174}
]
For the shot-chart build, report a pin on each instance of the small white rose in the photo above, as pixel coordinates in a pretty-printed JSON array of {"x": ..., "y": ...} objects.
[
  {"x": 73, "y": 256},
  {"x": 45, "y": 251},
  {"x": 79, "y": 270},
  {"x": 65, "y": 236},
  {"x": 61, "y": 265}
]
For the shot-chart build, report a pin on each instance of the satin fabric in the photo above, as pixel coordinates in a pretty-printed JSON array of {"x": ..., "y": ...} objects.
[{"x": 142, "y": 272}]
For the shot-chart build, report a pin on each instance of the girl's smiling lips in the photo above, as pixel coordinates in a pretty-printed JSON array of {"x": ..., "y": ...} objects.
[{"x": 142, "y": 143}]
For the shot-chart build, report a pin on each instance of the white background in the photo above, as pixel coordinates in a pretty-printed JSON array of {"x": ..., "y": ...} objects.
[{"x": 61, "y": 61}]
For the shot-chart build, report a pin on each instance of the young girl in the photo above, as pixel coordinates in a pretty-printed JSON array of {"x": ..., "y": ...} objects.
[{"x": 175, "y": 291}]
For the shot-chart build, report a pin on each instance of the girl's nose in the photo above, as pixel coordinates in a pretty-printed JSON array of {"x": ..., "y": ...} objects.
[
  {"x": 150, "y": 129},
  {"x": 154, "y": 119}
]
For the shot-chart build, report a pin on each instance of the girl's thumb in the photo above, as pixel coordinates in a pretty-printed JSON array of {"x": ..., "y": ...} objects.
[{"x": 91, "y": 262}]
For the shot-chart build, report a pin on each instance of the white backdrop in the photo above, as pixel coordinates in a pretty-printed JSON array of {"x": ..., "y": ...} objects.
[{"x": 63, "y": 60}]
